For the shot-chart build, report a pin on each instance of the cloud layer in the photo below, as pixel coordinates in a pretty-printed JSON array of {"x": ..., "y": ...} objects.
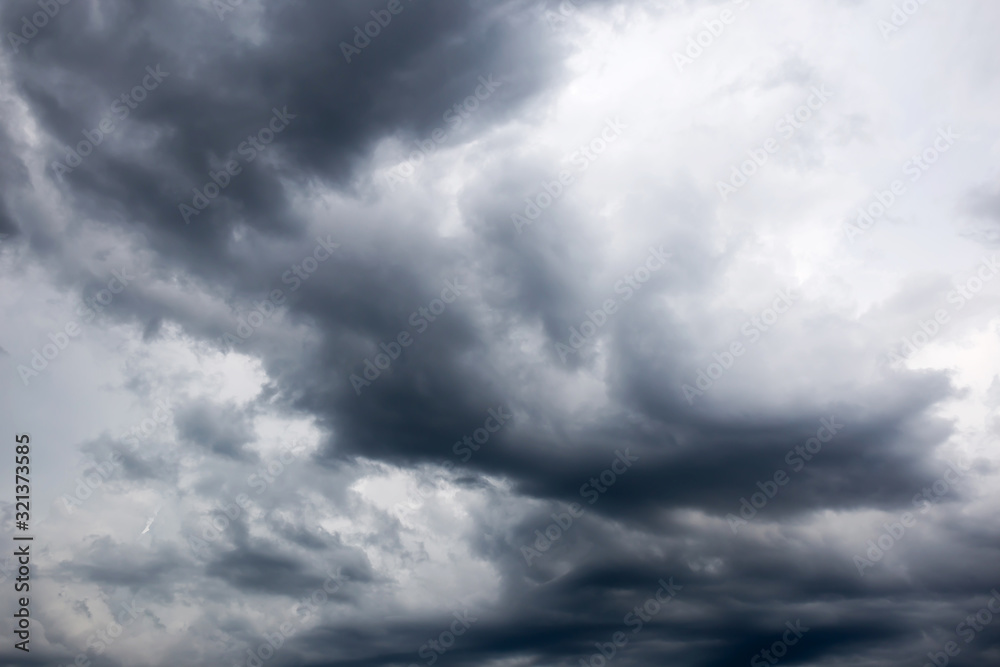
[{"x": 504, "y": 333}]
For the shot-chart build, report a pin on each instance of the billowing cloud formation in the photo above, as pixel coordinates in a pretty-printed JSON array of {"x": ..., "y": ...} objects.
[{"x": 504, "y": 333}]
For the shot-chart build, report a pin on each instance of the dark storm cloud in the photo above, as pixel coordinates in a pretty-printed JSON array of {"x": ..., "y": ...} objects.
[
  {"x": 12, "y": 172},
  {"x": 398, "y": 86},
  {"x": 223, "y": 84},
  {"x": 255, "y": 571},
  {"x": 223, "y": 430},
  {"x": 107, "y": 563}
]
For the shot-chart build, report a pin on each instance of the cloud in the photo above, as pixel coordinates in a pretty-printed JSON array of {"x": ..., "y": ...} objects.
[{"x": 321, "y": 519}]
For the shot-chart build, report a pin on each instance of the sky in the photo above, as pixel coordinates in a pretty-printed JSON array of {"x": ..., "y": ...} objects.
[{"x": 509, "y": 334}]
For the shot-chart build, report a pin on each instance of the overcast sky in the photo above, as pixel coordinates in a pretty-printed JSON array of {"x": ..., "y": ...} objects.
[{"x": 503, "y": 333}]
